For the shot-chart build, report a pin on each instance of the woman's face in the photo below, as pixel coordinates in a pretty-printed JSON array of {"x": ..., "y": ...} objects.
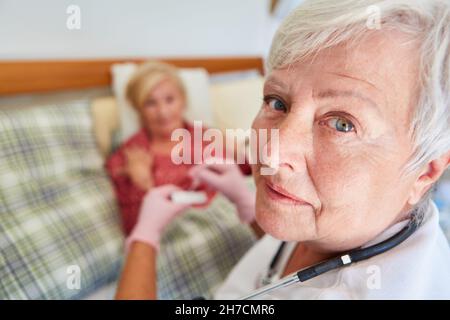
[
  {"x": 162, "y": 110},
  {"x": 343, "y": 120}
]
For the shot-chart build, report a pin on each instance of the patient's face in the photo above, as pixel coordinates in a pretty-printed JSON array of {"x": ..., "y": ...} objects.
[
  {"x": 343, "y": 126},
  {"x": 162, "y": 111}
]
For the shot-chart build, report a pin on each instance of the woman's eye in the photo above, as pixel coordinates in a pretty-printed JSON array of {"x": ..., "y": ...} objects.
[
  {"x": 341, "y": 124},
  {"x": 276, "y": 104}
]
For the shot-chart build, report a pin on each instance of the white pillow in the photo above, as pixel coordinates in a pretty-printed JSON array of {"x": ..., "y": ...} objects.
[{"x": 195, "y": 80}]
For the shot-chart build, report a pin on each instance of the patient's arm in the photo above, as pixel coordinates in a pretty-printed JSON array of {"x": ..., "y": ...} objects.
[
  {"x": 138, "y": 167},
  {"x": 129, "y": 196},
  {"x": 138, "y": 279},
  {"x": 130, "y": 167}
]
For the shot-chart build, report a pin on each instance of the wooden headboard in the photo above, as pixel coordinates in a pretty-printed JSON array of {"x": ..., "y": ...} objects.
[{"x": 42, "y": 76}]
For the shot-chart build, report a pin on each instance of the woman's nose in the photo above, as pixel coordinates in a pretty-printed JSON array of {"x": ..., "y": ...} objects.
[
  {"x": 295, "y": 144},
  {"x": 163, "y": 111}
]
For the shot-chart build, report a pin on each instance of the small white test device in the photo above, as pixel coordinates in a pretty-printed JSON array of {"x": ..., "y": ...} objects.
[{"x": 189, "y": 197}]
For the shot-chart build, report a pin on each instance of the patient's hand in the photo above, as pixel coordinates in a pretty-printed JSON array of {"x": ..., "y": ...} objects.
[
  {"x": 228, "y": 179},
  {"x": 138, "y": 167}
]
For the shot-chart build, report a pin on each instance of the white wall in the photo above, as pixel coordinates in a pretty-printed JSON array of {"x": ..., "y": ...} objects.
[{"x": 35, "y": 29}]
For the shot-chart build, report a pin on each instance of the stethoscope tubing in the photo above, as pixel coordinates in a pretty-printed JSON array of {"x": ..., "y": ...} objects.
[{"x": 334, "y": 263}]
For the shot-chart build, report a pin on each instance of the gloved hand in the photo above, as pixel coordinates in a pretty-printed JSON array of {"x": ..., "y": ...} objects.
[
  {"x": 156, "y": 212},
  {"x": 228, "y": 179}
]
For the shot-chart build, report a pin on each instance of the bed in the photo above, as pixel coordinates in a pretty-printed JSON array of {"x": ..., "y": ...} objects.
[{"x": 60, "y": 234}]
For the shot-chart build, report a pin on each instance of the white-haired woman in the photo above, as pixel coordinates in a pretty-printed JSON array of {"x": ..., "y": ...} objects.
[{"x": 360, "y": 94}]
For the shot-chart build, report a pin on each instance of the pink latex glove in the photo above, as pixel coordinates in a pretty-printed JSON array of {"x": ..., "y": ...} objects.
[
  {"x": 228, "y": 179},
  {"x": 156, "y": 212}
]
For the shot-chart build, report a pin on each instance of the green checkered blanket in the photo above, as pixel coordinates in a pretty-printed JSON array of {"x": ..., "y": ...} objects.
[
  {"x": 199, "y": 249},
  {"x": 57, "y": 212}
]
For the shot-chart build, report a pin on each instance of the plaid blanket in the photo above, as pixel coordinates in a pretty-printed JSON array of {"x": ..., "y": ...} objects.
[
  {"x": 57, "y": 211},
  {"x": 200, "y": 248}
]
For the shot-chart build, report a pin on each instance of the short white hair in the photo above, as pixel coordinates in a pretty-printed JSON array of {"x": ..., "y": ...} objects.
[{"x": 319, "y": 24}]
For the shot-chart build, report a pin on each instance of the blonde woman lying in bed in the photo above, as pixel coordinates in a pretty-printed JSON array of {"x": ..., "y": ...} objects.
[
  {"x": 144, "y": 161},
  {"x": 363, "y": 118}
]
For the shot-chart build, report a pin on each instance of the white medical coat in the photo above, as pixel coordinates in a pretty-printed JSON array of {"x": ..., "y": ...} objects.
[{"x": 418, "y": 268}]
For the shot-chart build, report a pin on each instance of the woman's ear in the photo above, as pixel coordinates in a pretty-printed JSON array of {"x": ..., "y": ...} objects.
[{"x": 428, "y": 176}]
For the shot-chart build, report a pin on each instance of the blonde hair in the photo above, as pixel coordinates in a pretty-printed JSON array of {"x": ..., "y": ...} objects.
[{"x": 146, "y": 77}]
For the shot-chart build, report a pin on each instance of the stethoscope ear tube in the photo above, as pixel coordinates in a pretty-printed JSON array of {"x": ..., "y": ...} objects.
[
  {"x": 357, "y": 254},
  {"x": 314, "y": 271},
  {"x": 402, "y": 235}
]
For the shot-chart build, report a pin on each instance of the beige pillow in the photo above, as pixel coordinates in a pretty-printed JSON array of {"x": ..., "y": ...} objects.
[
  {"x": 235, "y": 104},
  {"x": 106, "y": 121}
]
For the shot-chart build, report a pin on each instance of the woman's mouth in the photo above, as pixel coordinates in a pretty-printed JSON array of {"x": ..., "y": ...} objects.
[{"x": 277, "y": 193}]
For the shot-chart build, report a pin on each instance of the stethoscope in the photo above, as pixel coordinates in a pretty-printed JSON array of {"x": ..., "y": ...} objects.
[{"x": 347, "y": 259}]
